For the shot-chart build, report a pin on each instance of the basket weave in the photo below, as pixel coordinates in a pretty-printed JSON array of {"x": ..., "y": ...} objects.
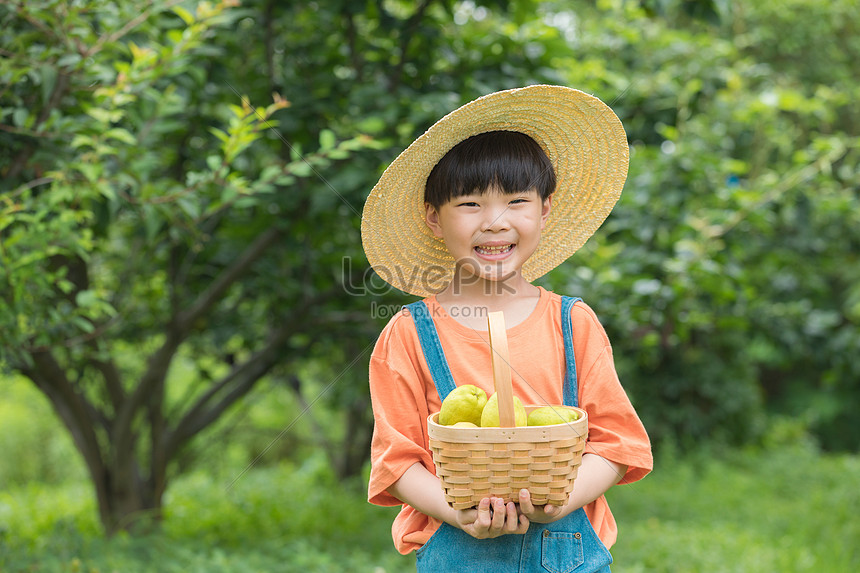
[{"x": 474, "y": 463}]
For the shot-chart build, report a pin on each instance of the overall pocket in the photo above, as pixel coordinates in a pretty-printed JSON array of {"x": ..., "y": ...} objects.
[
  {"x": 561, "y": 551},
  {"x": 572, "y": 546}
]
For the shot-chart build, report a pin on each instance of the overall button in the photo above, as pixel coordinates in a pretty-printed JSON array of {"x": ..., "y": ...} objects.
[{"x": 578, "y": 535}]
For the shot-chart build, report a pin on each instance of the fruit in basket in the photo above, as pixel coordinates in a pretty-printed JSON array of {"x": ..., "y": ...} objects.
[
  {"x": 464, "y": 425},
  {"x": 463, "y": 404},
  {"x": 490, "y": 415},
  {"x": 548, "y": 415}
]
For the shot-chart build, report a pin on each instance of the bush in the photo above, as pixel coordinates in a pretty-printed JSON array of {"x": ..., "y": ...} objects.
[
  {"x": 786, "y": 507},
  {"x": 287, "y": 518},
  {"x": 35, "y": 446},
  {"x": 727, "y": 275}
]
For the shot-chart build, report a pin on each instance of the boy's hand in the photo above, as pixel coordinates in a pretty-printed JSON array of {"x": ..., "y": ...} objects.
[
  {"x": 540, "y": 513},
  {"x": 492, "y": 518}
]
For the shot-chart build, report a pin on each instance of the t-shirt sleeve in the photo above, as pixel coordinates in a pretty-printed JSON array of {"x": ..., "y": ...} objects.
[
  {"x": 400, "y": 410},
  {"x": 615, "y": 431}
]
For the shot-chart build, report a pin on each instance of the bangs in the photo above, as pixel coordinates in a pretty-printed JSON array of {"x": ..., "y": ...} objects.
[{"x": 509, "y": 161}]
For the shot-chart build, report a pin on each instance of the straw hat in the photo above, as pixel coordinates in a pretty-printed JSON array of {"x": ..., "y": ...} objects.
[{"x": 585, "y": 143}]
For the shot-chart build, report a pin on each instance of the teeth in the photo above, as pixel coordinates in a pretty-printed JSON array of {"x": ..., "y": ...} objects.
[{"x": 486, "y": 250}]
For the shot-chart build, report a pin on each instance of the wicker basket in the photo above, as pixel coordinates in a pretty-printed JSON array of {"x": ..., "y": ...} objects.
[{"x": 474, "y": 463}]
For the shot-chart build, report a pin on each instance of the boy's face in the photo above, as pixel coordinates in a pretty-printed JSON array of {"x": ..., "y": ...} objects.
[{"x": 492, "y": 234}]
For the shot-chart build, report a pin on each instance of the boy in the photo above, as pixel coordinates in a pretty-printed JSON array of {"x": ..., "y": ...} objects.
[{"x": 491, "y": 197}]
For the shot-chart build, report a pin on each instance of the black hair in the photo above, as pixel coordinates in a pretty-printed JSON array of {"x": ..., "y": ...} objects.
[{"x": 511, "y": 161}]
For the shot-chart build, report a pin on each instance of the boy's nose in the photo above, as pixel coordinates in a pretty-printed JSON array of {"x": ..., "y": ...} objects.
[{"x": 496, "y": 220}]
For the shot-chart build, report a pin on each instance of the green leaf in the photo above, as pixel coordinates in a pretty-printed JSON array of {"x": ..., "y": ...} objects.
[
  {"x": 214, "y": 162},
  {"x": 190, "y": 206},
  {"x": 220, "y": 134},
  {"x": 86, "y": 298},
  {"x": 122, "y": 135},
  {"x": 84, "y": 324},
  {"x": 69, "y": 60},
  {"x": 91, "y": 171},
  {"x": 49, "y": 81},
  {"x": 327, "y": 139},
  {"x": 186, "y": 16},
  {"x": 105, "y": 116},
  {"x": 81, "y": 140},
  {"x": 301, "y": 168},
  {"x": 19, "y": 116},
  {"x": 338, "y": 154}
]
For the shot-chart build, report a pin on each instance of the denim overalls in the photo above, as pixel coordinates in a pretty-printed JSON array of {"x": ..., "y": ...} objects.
[{"x": 565, "y": 546}]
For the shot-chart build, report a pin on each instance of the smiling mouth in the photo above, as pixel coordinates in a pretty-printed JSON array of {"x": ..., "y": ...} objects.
[{"x": 493, "y": 250}]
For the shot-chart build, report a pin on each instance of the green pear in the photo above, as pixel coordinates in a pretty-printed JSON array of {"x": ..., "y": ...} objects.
[
  {"x": 464, "y": 425},
  {"x": 548, "y": 415},
  {"x": 463, "y": 404},
  {"x": 490, "y": 415}
]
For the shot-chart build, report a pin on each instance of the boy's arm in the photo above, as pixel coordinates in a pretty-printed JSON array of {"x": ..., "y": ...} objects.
[
  {"x": 594, "y": 478},
  {"x": 422, "y": 490}
]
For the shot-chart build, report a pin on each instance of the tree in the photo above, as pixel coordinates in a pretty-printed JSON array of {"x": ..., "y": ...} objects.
[
  {"x": 120, "y": 249},
  {"x": 168, "y": 193}
]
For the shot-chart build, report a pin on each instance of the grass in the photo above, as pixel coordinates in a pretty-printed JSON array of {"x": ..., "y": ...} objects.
[
  {"x": 784, "y": 509},
  {"x": 273, "y": 519}
]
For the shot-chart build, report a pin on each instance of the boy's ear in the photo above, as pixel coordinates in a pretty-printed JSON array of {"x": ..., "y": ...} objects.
[
  {"x": 431, "y": 217},
  {"x": 545, "y": 211}
]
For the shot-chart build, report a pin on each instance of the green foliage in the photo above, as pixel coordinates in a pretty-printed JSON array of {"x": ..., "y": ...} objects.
[
  {"x": 278, "y": 519},
  {"x": 727, "y": 275},
  {"x": 786, "y": 508},
  {"x": 34, "y": 443},
  {"x": 182, "y": 186},
  {"x": 140, "y": 189}
]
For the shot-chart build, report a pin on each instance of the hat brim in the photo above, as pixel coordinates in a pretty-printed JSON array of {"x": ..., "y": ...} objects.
[{"x": 585, "y": 143}]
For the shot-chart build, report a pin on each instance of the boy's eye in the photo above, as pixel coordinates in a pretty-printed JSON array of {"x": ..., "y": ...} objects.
[
  {"x": 468, "y": 204},
  {"x": 519, "y": 200}
]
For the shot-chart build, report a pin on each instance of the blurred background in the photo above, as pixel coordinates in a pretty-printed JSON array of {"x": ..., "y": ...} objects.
[{"x": 186, "y": 314}]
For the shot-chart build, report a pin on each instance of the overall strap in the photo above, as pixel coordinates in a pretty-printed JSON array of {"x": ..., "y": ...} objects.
[
  {"x": 571, "y": 392},
  {"x": 433, "y": 353}
]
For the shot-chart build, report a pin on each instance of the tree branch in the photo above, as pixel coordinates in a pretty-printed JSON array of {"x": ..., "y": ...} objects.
[
  {"x": 155, "y": 374},
  {"x": 127, "y": 27},
  {"x": 113, "y": 381},
  {"x": 228, "y": 276},
  {"x": 322, "y": 441},
  {"x": 228, "y": 390},
  {"x": 352, "y": 45},
  {"x": 177, "y": 332},
  {"x": 405, "y": 38},
  {"x": 242, "y": 377},
  {"x": 71, "y": 407}
]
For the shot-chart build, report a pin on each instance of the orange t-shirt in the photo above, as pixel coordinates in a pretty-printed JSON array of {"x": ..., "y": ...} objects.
[{"x": 403, "y": 395}]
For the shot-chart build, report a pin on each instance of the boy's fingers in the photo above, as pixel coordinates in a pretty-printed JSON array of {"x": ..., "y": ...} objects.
[
  {"x": 483, "y": 519},
  {"x": 512, "y": 521},
  {"x": 523, "y": 525},
  {"x": 526, "y": 501},
  {"x": 498, "y": 513}
]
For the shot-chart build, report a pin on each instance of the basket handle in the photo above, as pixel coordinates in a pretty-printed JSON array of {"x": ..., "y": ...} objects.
[{"x": 501, "y": 368}]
